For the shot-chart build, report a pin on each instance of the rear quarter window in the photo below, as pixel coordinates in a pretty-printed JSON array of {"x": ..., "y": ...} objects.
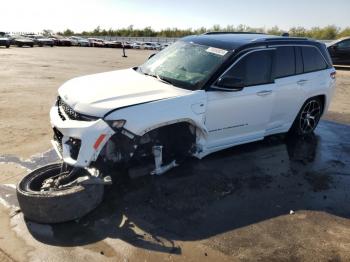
[{"x": 312, "y": 59}]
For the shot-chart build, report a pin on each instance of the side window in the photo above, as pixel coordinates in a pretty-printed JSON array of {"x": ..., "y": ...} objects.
[
  {"x": 284, "y": 62},
  {"x": 344, "y": 44},
  {"x": 313, "y": 60},
  {"x": 253, "y": 69}
]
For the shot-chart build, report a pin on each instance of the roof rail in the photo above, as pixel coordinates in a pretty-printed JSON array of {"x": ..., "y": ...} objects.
[
  {"x": 226, "y": 32},
  {"x": 269, "y": 39}
]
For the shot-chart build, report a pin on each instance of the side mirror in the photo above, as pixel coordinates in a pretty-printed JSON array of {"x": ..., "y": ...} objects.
[
  {"x": 230, "y": 83},
  {"x": 152, "y": 55}
]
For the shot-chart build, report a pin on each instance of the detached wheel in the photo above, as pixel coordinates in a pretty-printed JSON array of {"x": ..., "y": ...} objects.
[
  {"x": 56, "y": 205},
  {"x": 308, "y": 117}
]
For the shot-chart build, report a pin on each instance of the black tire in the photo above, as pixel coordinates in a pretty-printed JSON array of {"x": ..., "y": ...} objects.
[
  {"x": 304, "y": 124},
  {"x": 8, "y": 46},
  {"x": 55, "y": 206},
  {"x": 31, "y": 45},
  {"x": 19, "y": 45}
]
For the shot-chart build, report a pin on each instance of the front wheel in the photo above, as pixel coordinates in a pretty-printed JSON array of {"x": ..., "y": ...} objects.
[
  {"x": 45, "y": 204},
  {"x": 308, "y": 117}
]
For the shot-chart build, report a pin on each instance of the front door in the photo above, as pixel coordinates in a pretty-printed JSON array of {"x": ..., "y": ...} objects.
[{"x": 238, "y": 115}]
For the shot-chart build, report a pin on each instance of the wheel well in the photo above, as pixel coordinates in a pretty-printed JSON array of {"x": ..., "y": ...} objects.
[
  {"x": 323, "y": 101},
  {"x": 178, "y": 139}
]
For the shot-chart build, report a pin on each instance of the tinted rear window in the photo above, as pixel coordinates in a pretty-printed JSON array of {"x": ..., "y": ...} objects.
[
  {"x": 313, "y": 60},
  {"x": 285, "y": 62}
]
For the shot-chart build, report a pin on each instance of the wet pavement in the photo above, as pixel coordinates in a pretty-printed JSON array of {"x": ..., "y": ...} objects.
[{"x": 224, "y": 202}]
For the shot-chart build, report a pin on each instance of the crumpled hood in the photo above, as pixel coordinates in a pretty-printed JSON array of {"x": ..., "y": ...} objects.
[{"x": 97, "y": 94}]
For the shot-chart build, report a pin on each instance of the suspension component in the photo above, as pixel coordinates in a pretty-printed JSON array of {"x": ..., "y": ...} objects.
[{"x": 158, "y": 161}]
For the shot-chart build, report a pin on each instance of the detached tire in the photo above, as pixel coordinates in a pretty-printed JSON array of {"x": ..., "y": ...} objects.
[{"x": 55, "y": 206}]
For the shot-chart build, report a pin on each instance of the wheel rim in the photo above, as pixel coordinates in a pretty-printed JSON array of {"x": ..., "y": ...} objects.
[{"x": 310, "y": 116}]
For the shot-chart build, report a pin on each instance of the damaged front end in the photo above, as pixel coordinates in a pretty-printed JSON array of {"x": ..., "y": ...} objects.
[
  {"x": 93, "y": 151},
  {"x": 83, "y": 141}
]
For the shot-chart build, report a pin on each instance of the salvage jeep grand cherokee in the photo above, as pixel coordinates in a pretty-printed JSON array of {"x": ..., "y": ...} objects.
[{"x": 202, "y": 94}]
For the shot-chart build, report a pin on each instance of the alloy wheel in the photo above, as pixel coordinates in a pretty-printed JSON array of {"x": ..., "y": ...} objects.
[{"x": 310, "y": 116}]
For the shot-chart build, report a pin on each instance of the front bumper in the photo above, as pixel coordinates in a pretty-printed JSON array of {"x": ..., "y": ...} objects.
[{"x": 93, "y": 135}]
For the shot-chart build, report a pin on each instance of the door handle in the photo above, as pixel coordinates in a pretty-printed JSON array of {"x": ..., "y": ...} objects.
[
  {"x": 301, "y": 82},
  {"x": 264, "y": 92}
]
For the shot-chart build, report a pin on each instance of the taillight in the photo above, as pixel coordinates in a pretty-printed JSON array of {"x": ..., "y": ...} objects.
[{"x": 333, "y": 74}]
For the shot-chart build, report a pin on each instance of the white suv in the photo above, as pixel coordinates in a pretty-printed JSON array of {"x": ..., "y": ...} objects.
[{"x": 201, "y": 94}]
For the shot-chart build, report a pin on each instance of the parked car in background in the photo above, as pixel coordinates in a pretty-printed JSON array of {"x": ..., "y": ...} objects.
[
  {"x": 96, "y": 42},
  {"x": 136, "y": 45},
  {"x": 117, "y": 44},
  {"x": 149, "y": 46},
  {"x": 21, "y": 41},
  {"x": 41, "y": 40},
  {"x": 73, "y": 41},
  {"x": 165, "y": 45},
  {"x": 62, "y": 41},
  {"x": 4, "y": 40},
  {"x": 55, "y": 40},
  {"x": 127, "y": 45},
  {"x": 79, "y": 41},
  {"x": 340, "y": 51},
  {"x": 112, "y": 44}
]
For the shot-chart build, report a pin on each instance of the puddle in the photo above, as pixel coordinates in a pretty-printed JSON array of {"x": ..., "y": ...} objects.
[{"x": 32, "y": 163}]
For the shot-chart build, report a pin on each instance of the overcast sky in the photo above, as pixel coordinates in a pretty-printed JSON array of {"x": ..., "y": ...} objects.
[{"x": 79, "y": 15}]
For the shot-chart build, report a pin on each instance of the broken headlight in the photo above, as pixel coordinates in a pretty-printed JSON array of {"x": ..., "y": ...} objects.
[{"x": 116, "y": 124}]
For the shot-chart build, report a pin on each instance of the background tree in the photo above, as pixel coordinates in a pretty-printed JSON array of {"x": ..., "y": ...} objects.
[{"x": 323, "y": 33}]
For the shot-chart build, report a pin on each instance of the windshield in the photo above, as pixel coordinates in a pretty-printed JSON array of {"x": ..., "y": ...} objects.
[{"x": 185, "y": 65}]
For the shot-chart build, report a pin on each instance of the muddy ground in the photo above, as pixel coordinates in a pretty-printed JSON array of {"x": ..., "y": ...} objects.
[{"x": 231, "y": 206}]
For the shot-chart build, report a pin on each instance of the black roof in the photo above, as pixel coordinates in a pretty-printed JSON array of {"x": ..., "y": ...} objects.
[{"x": 233, "y": 40}]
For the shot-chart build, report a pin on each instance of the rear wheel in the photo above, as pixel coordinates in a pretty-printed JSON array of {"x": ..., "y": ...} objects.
[
  {"x": 41, "y": 200},
  {"x": 308, "y": 117}
]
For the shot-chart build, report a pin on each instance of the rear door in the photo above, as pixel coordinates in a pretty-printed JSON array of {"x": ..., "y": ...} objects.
[
  {"x": 315, "y": 78},
  {"x": 296, "y": 81},
  {"x": 287, "y": 89}
]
